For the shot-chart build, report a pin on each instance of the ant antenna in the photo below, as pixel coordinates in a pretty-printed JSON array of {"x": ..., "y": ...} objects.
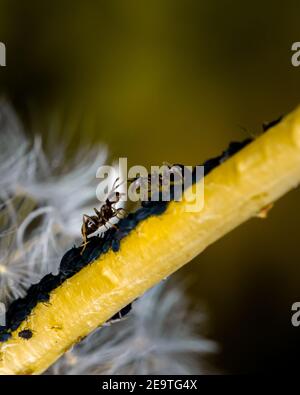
[{"x": 114, "y": 188}]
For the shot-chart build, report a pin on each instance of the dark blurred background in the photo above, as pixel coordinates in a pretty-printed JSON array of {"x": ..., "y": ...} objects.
[{"x": 176, "y": 81}]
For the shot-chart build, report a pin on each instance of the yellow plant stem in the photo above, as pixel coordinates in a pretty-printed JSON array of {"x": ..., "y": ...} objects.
[{"x": 235, "y": 191}]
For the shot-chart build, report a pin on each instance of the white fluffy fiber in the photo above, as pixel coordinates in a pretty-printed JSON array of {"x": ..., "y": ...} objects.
[{"x": 159, "y": 336}]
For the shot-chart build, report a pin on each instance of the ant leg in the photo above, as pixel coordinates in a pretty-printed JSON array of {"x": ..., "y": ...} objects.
[
  {"x": 107, "y": 227},
  {"x": 119, "y": 211},
  {"x": 84, "y": 233},
  {"x": 83, "y": 227},
  {"x": 87, "y": 218},
  {"x": 112, "y": 225},
  {"x": 114, "y": 186},
  {"x": 122, "y": 212},
  {"x": 97, "y": 211}
]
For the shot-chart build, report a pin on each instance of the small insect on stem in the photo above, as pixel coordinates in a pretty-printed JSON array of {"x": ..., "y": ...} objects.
[
  {"x": 25, "y": 334},
  {"x": 102, "y": 216}
]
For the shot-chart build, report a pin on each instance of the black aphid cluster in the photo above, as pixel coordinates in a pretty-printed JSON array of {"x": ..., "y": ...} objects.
[{"x": 72, "y": 262}]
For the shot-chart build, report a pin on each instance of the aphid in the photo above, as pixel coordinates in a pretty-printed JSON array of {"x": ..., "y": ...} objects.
[
  {"x": 25, "y": 334},
  {"x": 268, "y": 125},
  {"x": 107, "y": 211}
]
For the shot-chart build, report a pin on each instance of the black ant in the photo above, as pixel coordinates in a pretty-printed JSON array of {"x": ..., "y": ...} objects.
[{"x": 107, "y": 211}]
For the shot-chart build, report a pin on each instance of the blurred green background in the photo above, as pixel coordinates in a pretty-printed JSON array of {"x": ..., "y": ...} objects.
[{"x": 176, "y": 81}]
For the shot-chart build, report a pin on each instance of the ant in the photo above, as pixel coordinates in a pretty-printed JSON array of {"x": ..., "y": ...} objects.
[{"x": 107, "y": 211}]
